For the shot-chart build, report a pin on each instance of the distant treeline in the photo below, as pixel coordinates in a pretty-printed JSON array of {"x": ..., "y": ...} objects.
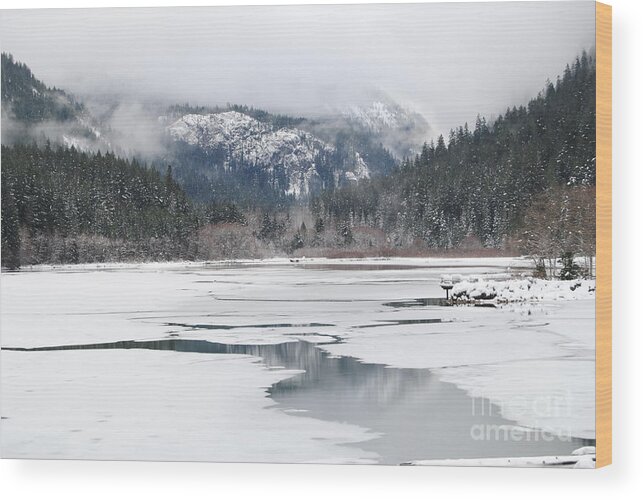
[
  {"x": 60, "y": 205},
  {"x": 52, "y": 197}
]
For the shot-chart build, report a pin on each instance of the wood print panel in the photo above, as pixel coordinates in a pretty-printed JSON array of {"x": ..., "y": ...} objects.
[{"x": 604, "y": 234}]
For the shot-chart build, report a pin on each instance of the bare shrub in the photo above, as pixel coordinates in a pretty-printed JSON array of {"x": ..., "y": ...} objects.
[
  {"x": 561, "y": 221},
  {"x": 227, "y": 241},
  {"x": 365, "y": 237}
]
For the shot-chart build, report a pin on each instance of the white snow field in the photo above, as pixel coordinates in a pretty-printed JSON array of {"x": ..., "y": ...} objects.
[
  {"x": 141, "y": 405},
  {"x": 582, "y": 458},
  {"x": 532, "y": 360}
]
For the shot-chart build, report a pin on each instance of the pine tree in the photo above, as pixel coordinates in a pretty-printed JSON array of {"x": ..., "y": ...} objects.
[{"x": 10, "y": 230}]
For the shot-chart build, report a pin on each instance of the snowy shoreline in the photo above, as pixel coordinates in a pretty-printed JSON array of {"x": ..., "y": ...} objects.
[
  {"x": 516, "y": 263},
  {"x": 581, "y": 458}
]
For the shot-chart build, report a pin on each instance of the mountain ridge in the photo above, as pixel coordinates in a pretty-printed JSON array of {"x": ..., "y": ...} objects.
[
  {"x": 33, "y": 111},
  {"x": 244, "y": 139}
]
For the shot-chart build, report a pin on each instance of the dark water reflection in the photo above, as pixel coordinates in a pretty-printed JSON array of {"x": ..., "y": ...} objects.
[
  {"x": 262, "y": 325},
  {"x": 417, "y": 415},
  {"x": 432, "y": 301},
  {"x": 359, "y": 267},
  {"x": 423, "y": 302}
]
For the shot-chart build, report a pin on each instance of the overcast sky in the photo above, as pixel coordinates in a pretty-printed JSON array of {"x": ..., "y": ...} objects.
[{"x": 447, "y": 61}]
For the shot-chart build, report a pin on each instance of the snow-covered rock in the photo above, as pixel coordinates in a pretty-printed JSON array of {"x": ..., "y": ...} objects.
[
  {"x": 585, "y": 450},
  {"x": 376, "y": 116},
  {"x": 522, "y": 290},
  {"x": 251, "y": 142}
]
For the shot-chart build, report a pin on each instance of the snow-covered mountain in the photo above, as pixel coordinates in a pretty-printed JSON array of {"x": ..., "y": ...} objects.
[
  {"x": 242, "y": 139},
  {"x": 401, "y": 130}
]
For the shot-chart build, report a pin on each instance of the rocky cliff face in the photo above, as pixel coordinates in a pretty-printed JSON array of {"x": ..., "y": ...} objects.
[{"x": 238, "y": 138}]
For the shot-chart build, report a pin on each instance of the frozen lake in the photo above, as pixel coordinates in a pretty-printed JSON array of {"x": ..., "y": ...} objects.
[{"x": 333, "y": 362}]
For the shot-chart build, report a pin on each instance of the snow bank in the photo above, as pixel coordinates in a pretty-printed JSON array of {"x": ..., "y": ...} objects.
[
  {"x": 579, "y": 459},
  {"x": 521, "y": 290}
]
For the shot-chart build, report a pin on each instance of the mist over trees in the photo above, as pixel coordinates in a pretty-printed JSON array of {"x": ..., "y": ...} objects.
[
  {"x": 477, "y": 185},
  {"x": 30, "y": 99},
  {"x": 34, "y": 112}
]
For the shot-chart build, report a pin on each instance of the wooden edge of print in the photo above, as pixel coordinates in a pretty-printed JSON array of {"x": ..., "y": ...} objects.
[{"x": 603, "y": 234}]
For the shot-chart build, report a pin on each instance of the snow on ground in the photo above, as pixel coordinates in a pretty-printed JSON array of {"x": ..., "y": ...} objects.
[
  {"x": 552, "y": 392},
  {"x": 521, "y": 290},
  {"x": 535, "y": 360},
  {"x": 83, "y": 304},
  {"x": 486, "y": 264},
  {"x": 583, "y": 458},
  {"x": 154, "y": 405}
]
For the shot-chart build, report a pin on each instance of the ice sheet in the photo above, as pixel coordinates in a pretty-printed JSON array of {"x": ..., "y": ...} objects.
[
  {"x": 524, "y": 357},
  {"x": 151, "y": 405}
]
